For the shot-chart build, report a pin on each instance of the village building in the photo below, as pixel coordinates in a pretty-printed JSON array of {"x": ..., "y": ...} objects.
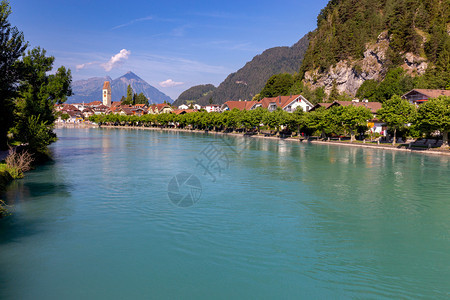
[
  {"x": 160, "y": 108},
  {"x": 287, "y": 103},
  {"x": 212, "y": 108},
  {"x": 183, "y": 106},
  {"x": 101, "y": 109},
  {"x": 418, "y": 96},
  {"x": 106, "y": 94},
  {"x": 94, "y": 103},
  {"x": 87, "y": 112}
]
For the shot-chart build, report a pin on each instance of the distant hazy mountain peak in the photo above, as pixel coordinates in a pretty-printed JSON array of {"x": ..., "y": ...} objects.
[{"x": 88, "y": 90}]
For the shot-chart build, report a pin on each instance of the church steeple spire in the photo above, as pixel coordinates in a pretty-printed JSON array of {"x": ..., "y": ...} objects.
[{"x": 106, "y": 94}]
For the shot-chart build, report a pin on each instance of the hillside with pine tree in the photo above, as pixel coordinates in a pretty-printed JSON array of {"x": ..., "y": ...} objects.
[
  {"x": 250, "y": 79},
  {"x": 358, "y": 45}
]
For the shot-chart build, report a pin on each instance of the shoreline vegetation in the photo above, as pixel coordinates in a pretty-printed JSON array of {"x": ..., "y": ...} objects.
[{"x": 404, "y": 147}]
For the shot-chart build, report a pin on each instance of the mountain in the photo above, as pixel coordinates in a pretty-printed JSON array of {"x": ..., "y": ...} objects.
[
  {"x": 362, "y": 41},
  {"x": 91, "y": 89},
  {"x": 250, "y": 79},
  {"x": 194, "y": 94}
]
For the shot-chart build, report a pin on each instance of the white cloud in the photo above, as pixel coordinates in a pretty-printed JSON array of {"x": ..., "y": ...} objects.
[
  {"x": 116, "y": 59},
  {"x": 133, "y": 21},
  {"x": 170, "y": 83},
  {"x": 82, "y": 66}
]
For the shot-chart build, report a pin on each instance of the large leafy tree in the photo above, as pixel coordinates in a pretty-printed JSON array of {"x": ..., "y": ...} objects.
[
  {"x": 397, "y": 113},
  {"x": 38, "y": 94},
  {"x": 353, "y": 117},
  {"x": 319, "y": 120},
  {"x": 279, "y": 84},
  {"x": 12, "y": 47},
  {"x": 434, "y": 115}
]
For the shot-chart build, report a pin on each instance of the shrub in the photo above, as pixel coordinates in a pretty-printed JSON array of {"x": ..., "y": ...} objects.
[{"x": 18, "y": 162}]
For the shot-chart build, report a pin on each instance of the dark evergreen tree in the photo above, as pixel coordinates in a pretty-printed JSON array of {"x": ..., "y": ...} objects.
[{"x": 12, "y": 47}]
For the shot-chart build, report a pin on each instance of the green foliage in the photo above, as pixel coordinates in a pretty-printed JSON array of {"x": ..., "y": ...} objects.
[
  {"x": 318, "y": 120},
  {"x": 334, "y": 94},
  {"x": 278, "y": 85},
  {"x": 434, "y": 115},
  {"x": 396, "y": 82},
  {"x": 195, "y": 93},
  {"x": 396, "y": 113},
  {"x": 140, "y": 99},
  {"x": 12, "y": 47},
  {"x": 129, "y": 98},
  {"x": 38, "y": 93},
  {"x": 353, "y": 117},
  {"x": 346, "y": 26},
  {"x": 65, "y": 116}
]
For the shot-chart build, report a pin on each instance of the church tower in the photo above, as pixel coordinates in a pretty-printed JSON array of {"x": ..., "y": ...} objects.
[{"x": 106, "y": 94}]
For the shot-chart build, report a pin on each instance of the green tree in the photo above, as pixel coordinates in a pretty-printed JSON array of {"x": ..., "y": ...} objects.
[
  {"x": 334, "y": 93},
  {"x": 396, "y": 113},
  {"x": 434, "y": 115},
  {"x": 38, "y": 94},
  {"x": 353, "y": 117},
  {"x": 141, "y": 99},
  {"x": 297, "y": 120},
  {"x": 129, "y": 98},
  {"x": 318, "y": 120},
  {"x": 279, "y": 84},
  {"x": 12, "y": 47}
]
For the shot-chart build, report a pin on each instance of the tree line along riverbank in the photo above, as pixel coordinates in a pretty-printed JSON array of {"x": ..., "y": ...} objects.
[{"x": 425, "y": 127}]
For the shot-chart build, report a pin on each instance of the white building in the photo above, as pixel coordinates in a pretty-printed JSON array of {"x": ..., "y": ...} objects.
[{"x": 212, "y": 108}]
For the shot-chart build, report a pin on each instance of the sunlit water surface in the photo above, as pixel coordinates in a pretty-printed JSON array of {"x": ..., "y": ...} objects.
[{"x": 275, "y": 219}]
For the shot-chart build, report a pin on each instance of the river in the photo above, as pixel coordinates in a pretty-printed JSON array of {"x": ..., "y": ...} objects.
[{"x": 135, "y": 214}]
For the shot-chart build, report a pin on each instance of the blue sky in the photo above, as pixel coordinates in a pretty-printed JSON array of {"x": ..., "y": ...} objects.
[{"x": 173, "y": 45}]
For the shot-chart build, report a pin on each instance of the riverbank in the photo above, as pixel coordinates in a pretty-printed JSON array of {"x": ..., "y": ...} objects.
[{"x": 381, "y": 146}]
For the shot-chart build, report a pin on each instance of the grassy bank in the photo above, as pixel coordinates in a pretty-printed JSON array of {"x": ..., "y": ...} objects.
[{"x": 5, "y": 179}]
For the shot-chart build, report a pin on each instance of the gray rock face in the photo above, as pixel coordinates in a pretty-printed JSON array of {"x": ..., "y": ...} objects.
[{"x": 349, "y": 75}]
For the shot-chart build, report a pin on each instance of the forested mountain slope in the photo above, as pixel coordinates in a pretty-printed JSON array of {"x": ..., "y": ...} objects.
[
  {"x": 360, "y": 40},
  {"x": 250, "y": 79}
]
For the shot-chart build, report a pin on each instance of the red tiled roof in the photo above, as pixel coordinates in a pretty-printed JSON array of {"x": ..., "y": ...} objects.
[
  {"x": 324, "y": 104},
  {"x": 106, "y": 85},
  {"x": 241, "y": 105},
  {"x": 373, "y": 106},
  {"x": 68, "y": 107},
  {"x": 430, "y": 93},
  {"x": 280, "y": 101},
  {"x": 94, "y": 103},
  {"x": 181, "y": 111}
]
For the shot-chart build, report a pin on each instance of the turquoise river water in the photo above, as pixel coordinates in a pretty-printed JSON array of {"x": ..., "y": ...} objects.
[{"x": 110, "y": 218}]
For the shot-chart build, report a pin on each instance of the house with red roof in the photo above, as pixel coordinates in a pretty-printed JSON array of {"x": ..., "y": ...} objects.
[
  {"x": 287, "y": 103},
  {"x": 418, "y": 96},
  {"x": 160, "y": 108},
  {"x": 240, "y": 105}
]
